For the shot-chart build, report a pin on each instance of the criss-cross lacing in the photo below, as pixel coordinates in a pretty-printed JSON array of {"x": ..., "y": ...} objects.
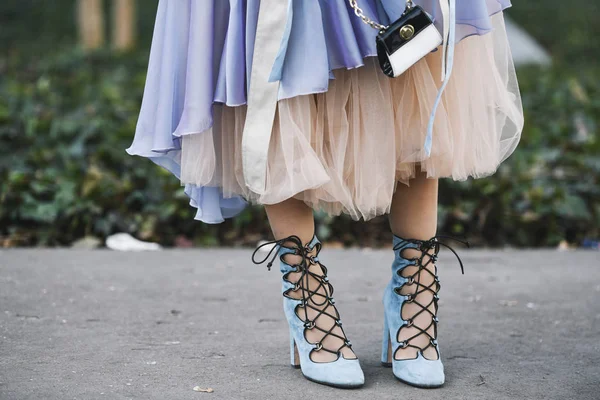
[
  {"x": 430, "y": 249},
  {"x": 319, "y": 299}
]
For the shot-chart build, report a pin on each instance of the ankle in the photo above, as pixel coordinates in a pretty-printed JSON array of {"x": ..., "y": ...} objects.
[{"x": 408, "y": 235}]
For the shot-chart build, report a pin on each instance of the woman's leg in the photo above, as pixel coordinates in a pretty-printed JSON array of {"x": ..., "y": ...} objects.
[
  {"x": 291, "y": 217},
  {"x": 414, "y": 216},
  {"x": 294, "y": 217},
  {"x": 414, "y": 209}
]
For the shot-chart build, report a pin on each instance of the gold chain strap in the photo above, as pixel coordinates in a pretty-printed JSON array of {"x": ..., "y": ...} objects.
[{"x": 375, "y": 25}]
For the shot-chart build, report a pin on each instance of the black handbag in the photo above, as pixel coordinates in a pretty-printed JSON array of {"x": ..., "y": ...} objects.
[{"x": 404, "y": 42}]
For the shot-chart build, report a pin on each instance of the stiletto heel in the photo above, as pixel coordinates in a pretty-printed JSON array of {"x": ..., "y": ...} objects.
[
  {"x": 309, "y": 308},
  {"x": 386, "y": 346},
  {"x": 294, "y": 359},
  {"x": 413, "y": 287}
]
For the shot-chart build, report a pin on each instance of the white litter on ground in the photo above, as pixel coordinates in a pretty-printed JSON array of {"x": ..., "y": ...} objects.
[{"x": 126, "y": 242}]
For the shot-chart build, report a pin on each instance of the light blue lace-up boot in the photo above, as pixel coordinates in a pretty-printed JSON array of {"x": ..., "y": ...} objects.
[
  {"x": 309, "y": 306},
  {"x": 420, "y": 286}
]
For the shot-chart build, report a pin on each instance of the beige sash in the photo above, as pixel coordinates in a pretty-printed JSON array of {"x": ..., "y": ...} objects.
[{"x": 263, "y": 95}]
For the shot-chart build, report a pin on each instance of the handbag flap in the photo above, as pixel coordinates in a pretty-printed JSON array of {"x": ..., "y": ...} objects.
[{"x": 392, "y": 40}]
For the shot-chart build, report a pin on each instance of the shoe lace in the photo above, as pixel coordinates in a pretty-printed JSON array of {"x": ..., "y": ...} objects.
[
  {"x": 312, "y": 298},
  {"x": 428, "y": 248}
]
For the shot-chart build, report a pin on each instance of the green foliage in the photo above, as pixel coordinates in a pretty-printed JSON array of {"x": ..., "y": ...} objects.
[
  {"x": 549, "y": 189},
  {"x": 568, "y": 29},
  {"x": 65, "y": 123},
  {"x": 66, "y": 119}
]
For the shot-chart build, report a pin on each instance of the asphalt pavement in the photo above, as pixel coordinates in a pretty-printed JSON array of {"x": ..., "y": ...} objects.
[{"x": 97, "y": 324}]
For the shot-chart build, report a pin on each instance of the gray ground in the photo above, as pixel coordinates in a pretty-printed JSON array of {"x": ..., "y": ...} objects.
[{"x": 105, "y": 325}]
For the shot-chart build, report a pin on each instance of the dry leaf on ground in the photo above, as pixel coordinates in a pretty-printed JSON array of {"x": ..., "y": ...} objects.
[{"x": 205, "y": 390}]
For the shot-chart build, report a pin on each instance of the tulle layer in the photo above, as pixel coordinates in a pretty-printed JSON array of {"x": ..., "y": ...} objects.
[
  {"x": 202, "y": 53},
  {"x": 345, "y": 150}
]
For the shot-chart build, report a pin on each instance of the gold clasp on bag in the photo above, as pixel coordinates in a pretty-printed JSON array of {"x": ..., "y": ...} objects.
[{"x": 407, "y": 32}]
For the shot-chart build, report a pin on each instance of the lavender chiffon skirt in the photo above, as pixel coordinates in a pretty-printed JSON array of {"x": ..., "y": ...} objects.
[{"x": 344, "y": 134}]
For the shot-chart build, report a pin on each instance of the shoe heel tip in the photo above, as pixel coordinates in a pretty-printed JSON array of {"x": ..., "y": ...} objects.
[
  {"x": 386, "y": 364},
  {"x": 295, "y": 366}
]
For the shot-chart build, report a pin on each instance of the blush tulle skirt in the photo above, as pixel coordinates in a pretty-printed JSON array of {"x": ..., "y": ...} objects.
[{"x": 346, "y": 148}]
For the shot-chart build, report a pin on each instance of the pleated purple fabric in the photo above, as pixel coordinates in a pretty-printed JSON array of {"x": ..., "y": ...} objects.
[{"x": 202, "y": 54}]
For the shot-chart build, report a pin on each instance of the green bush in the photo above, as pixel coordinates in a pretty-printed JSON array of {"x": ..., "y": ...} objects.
[
  {"x": 548, "y": 190},
  {"x": 65, "y": 122},
  {"x": 66, "y": 119},
  {"x": 569, "y": 30}
]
